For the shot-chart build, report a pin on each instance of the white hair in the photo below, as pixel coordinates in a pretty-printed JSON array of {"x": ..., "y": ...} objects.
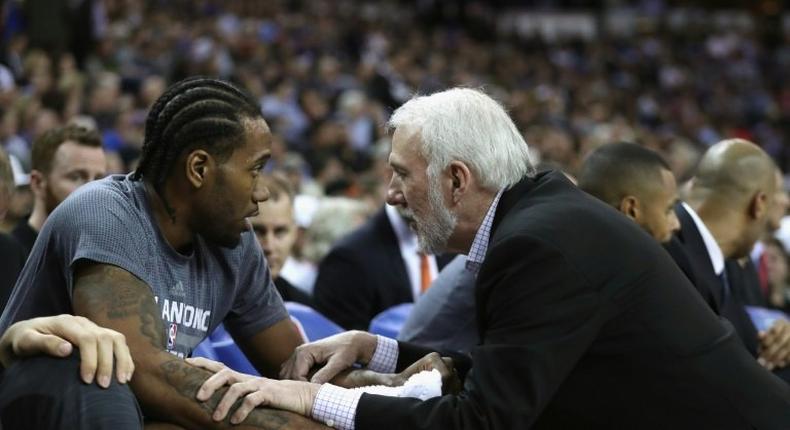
[
  {"x": 467, "y": 125},
  {"x": 334, "y": 218}
]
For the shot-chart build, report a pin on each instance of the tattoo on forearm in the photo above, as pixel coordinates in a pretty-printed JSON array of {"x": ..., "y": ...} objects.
[{"x": 187, "y": 380}]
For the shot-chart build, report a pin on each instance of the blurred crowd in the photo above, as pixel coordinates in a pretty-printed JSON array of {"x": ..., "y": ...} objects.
[{"x": 328, "y": 73}]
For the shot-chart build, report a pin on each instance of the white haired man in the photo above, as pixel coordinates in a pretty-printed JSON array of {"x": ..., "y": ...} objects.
[{"x": 585, "y": 321}]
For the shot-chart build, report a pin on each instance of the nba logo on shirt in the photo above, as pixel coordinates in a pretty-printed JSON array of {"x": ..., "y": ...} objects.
[{"x": 171, "y": 336}]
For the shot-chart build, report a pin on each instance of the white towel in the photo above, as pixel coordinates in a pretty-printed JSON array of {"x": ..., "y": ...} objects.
[{"x": 423, "y": 386}]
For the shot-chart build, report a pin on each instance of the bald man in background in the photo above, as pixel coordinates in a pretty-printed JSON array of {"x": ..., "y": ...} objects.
[{"x": 728, "y": 207}]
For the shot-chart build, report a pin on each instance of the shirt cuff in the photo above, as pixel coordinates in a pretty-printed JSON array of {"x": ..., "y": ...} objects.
[
  {"x": 336, "y": 407},
  {"x": 385, "y": 357}
]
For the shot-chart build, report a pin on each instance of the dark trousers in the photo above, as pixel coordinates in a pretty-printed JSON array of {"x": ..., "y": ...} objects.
[{"x": 47, "y": 393}]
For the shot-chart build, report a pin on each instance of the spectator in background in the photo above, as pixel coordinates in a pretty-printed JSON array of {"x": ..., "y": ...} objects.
[
  {"x": 637, "y": 182},
  {"x": 275, "y": 228},
  {"x": 13, "y": 255},
  {"x": 333, "y": 218},
  {"x": 776, "y": 266},
  {"x": 64, "y": 159},
  {"x": 754, "y": 267}
]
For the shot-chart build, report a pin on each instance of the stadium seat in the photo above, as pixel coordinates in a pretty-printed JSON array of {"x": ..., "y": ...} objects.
[
  {"x": 204, "y": 349},
  {"x": 219, "y": 346},
  {"x": 389, "y": 322},
  {"x": 312, "y": 324}
]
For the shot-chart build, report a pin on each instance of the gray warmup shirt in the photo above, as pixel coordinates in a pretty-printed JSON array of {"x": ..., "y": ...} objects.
[{"x": 110, "y": 221}]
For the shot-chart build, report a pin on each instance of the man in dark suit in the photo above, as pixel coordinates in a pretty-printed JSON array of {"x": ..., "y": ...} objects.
[
  {"x": 729, "y": 205},
  {"x": 585, "y": 322},
  {"x": 371, "y": 269}
]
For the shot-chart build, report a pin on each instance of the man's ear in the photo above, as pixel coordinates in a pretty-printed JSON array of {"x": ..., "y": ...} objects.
[
  {"x": 460, "y": 179},
  {"x": 629, "y": 206},
  {"x": 758, "y": 206},
  {"x": 199, "y": 166},
  {"x": 38, "y": 183}
]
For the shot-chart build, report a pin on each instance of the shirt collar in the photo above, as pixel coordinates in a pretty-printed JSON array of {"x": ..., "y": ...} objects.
[
  {"x": 714, "y": 251},
  {"x": 479, "y": 247}
]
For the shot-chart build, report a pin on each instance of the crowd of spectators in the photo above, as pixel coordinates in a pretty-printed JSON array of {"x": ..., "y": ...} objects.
[{"x": 328, "y": 73}]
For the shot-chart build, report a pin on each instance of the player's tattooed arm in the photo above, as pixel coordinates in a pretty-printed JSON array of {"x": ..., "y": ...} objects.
[{"x": 164, "y": 385}]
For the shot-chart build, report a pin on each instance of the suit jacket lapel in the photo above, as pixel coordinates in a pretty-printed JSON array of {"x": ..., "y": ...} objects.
[{"x": 698, "y": 255}]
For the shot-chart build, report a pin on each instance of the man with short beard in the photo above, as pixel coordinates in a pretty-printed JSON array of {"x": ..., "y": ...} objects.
[
  {"x": 64, "y": 159},
  {"x": 585, "y": 321}
]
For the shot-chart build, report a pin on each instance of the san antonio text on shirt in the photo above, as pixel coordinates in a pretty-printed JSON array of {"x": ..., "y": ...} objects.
[{"x": 184, "y": 315}]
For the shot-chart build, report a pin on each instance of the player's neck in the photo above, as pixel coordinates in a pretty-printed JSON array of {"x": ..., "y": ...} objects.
[{"x": 172, "y": 221}]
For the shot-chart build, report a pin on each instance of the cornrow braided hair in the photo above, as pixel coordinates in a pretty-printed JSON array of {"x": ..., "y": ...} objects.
[{"x": 196, "y": 112}]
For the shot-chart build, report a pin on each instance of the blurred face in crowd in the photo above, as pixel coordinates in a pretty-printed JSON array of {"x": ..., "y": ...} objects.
[
  {"x": 418, "y": 196},
  {"x": 231, "y": 195},
  {"x": 781, "y": 201},
  {"x": 775, "y": 263},
  {"x": 73, "y": 165},
  {"x": 656, "y": 212},
  {"x": 275, "y": 228}
]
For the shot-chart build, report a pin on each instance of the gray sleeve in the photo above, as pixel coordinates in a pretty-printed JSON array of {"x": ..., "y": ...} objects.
[
  {"x": 258, "y": 305},
  {"x": 440, "y": 318},
  {"x": 100, "y": 225}
]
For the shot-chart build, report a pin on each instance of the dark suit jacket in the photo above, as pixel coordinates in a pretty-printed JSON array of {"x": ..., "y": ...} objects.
[
  {"x": 746, "y": 278},
  {"x": 689, "y": 248},
  {"x": 586, "y": 323},
  {"x": 363, "y": 274},
  {"x": 289, "y": 293}
]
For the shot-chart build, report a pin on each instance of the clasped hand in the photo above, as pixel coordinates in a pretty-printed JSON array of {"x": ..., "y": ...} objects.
[{"x": 337, "y": 354}]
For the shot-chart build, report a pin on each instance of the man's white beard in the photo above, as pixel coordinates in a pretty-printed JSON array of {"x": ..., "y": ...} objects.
[{"x": 433, "y": 233}]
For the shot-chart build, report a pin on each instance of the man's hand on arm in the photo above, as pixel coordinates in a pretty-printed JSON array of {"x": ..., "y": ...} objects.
[
  {"x": 252, "y": 391},
  {"x": 337, "y": 353},
  {"x": 57, "y": 335},
  {"x": 165, "y": 386}
]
